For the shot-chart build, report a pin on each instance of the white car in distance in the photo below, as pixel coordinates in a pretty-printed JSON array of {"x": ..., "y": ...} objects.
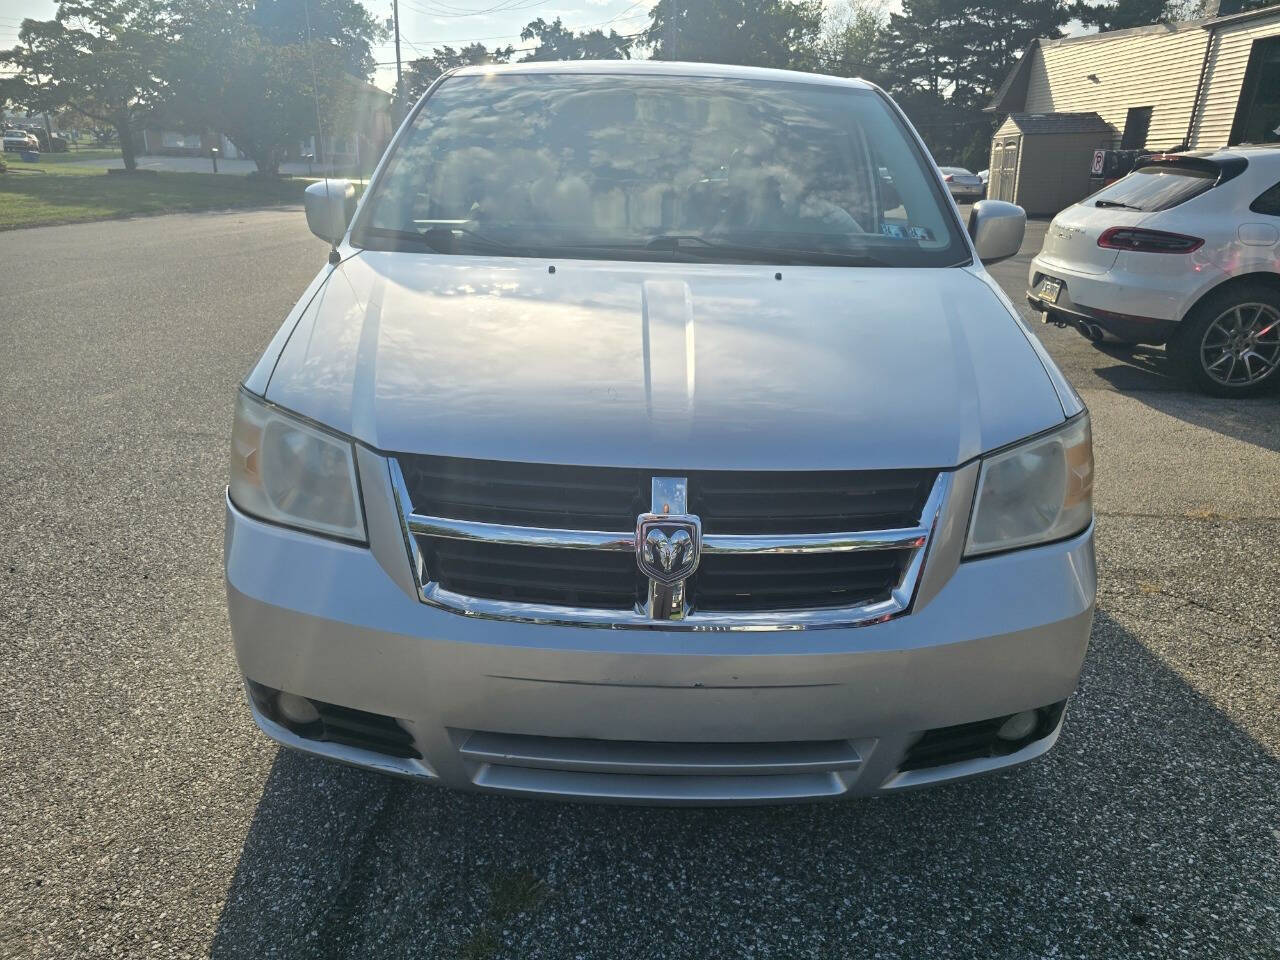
[
  {"x": 964, "y": 185},
  {"x": 1184, "y": 251}
]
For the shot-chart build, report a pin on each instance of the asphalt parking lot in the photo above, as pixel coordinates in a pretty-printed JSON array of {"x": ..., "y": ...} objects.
[{"x": 143, "y": 815}]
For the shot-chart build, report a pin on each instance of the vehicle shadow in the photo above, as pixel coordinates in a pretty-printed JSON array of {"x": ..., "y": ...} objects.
[
  {"x": 1145, "y": 373},
  {"x": 1136, "y": 828},
  {"x": 1138, "y": 368}
]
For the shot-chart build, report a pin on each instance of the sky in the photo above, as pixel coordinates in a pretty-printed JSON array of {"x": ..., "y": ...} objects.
[{"x": 425, "y": 24}]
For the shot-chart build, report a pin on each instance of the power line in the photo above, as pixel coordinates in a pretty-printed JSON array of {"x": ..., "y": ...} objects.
[
  {"x": 514, "y": 50},
  {"x": 504, "y": 36},
  {"x": 499, "y": 8}
]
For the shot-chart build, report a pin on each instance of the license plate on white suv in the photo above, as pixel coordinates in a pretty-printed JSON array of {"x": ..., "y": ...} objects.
[{"x": 1049, "y": 289}]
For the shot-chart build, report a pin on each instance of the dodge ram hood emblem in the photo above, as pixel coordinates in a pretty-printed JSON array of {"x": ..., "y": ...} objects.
[{"x": 668, "y": 547}]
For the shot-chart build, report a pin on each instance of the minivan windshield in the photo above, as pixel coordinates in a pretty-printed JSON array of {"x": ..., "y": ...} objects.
[{"x": 659, "y": 167}]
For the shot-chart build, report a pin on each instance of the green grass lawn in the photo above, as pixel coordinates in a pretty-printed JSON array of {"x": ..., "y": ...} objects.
[
  {"x": 80, "y": 156},
  {"x": 66, "y": 193}
]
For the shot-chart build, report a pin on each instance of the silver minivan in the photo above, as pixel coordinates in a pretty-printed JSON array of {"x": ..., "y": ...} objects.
[{"x": 655, "y": 434}]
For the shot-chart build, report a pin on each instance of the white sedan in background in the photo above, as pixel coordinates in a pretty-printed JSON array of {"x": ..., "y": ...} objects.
[
  {"x": 1184, "y": 251},
  {"x": 964, "y": 185}
]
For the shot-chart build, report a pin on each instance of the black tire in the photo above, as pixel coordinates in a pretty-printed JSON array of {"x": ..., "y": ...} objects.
[{"x": 1211, "y": 337}]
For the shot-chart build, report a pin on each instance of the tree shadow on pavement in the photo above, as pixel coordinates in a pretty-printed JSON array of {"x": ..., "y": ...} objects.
[{"x": 1147, "y": 831}]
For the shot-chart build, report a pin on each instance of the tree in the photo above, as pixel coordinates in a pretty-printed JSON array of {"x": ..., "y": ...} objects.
[
  {"x": 997, "y": 32},
  {"x": 760, "y": 33},
  {"x": 264, "y": 72},
  {"x": 1119, "y": 14},
  {"x": 344, "y": 24},
  {"x": 557, "y": 42},
  {"x": 103, "y": 59},
  {"x": 853, "y": 40},
  {"x": 948, "y": 58},
  {"x": 421, "y": 73}
]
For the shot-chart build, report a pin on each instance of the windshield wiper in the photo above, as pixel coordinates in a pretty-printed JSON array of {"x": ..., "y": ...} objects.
[
  {"x": 442, "y": 239},
  {"x": 1116, "y": 203},
  {"x": 701, "y": 248}
]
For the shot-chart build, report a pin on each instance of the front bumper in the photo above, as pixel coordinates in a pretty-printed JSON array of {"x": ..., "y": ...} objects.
[{"x": 653, "y": 716}]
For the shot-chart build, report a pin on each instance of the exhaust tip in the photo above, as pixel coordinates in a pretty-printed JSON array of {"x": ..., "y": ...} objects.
[{"x": 1090, "y": 331}]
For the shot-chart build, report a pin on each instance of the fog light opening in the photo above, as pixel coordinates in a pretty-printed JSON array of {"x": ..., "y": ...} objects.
[
  {"x": 295, "y": 710},
  {"x": 1019, "y": 726}
]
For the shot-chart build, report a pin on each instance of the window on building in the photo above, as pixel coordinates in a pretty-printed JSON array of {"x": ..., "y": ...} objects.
[
  {"x": 1258, "y": 112},
  {"x": 1136, "y": 124},
  {"x": 1268, "y": 202}
]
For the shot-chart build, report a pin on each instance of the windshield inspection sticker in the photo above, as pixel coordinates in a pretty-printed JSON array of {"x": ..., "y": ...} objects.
[{"x": 906, "y": 231}]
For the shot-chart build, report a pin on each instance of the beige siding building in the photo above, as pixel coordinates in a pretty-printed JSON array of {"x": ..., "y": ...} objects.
[{"x": 1204, "y": 84}]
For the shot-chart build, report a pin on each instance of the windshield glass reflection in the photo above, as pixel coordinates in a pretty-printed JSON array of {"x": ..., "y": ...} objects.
[{"x": 660, "y": 167}]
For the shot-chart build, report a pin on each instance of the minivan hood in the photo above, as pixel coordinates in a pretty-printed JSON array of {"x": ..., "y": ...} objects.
[{"x": 662, "y": 365}]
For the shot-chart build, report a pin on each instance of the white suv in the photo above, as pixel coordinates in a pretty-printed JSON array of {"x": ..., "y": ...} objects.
[{"x": 1185, "y": 251}]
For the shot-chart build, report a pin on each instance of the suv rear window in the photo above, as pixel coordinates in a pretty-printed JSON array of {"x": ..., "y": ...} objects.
[{"x": 1155, "y": 188}]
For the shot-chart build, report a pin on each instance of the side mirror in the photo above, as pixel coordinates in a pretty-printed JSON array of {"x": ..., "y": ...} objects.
[
  {"x": 329, "y": 208},
  {"x": 997, "y": 229},
  {"x": 889, "y": 197}
]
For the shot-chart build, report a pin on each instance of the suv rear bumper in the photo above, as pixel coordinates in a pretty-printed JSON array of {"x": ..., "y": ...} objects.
[
  {"x": 1141, "y": 298},
  {"x": 1130, "y": 329},
  {"x": 324, "y": 620}
]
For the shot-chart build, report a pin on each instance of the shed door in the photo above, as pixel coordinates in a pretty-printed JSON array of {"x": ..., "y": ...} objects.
[{"x": 1009, "y": 168}]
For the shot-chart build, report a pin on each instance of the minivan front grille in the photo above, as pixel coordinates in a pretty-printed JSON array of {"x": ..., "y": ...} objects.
[
  {"x": 499, "y": 571},
  {"x": 789, "y": 582},
  {"x": 819, "y": 501},
  {"x": 525, "y": 494},
  {"x": 490, "y": 537},
  {"x": 609, "y": 498}
]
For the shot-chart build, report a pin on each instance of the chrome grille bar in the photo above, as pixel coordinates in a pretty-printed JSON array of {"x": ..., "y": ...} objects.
[
  {"x": 711, "y": 543},
  {"x": 520, "y": 536},
  {"x": 917, "y": 539}
]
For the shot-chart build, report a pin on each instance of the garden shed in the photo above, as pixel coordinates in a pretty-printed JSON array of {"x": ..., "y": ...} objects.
[{"x": 1041, "y": 161}]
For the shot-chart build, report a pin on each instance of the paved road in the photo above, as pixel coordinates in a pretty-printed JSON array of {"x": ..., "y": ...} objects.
[{"x": 142, "y": 815}]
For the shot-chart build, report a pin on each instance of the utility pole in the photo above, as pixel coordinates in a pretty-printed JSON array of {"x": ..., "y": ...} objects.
[{"x": 395, "y": 15}]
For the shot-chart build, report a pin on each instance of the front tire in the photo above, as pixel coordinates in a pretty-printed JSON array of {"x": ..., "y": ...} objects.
[{"x": 1229, "y": 344}]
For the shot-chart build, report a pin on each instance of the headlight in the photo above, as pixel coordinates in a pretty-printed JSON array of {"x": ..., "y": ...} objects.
[
  {"x": 1038, "y": 491},
  {"x": 289, "y": 472}
]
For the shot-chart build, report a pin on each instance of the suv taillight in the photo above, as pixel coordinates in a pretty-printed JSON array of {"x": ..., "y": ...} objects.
[
  {"x": 1148, "y": 241},
  {"x": 949, "y": 178}
]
